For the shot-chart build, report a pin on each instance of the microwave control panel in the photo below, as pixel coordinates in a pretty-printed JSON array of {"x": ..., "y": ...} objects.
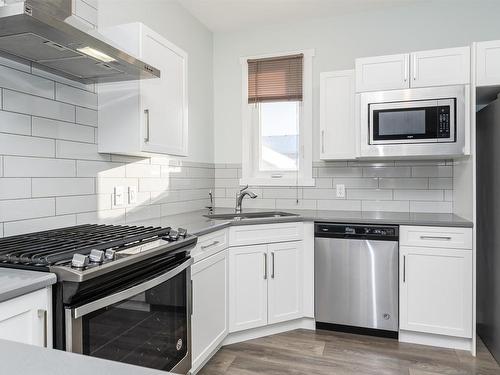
[{"x": 444, "y": 121}]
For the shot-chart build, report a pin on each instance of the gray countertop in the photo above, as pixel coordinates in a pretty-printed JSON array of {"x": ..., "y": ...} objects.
[
  {"x": 14, "y": 283},
  {"x": 22, "y": 359},
  {"x": 197, "y": 224}
]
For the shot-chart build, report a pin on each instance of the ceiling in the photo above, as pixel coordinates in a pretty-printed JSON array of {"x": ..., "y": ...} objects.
[{"x": 234, "y": 15}]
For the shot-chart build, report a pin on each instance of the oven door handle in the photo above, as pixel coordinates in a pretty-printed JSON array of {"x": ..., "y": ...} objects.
[{"x": 80, "y": 311}]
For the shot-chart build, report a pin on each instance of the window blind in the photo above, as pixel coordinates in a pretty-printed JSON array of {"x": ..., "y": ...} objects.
[{"x": 275, "y": 79}]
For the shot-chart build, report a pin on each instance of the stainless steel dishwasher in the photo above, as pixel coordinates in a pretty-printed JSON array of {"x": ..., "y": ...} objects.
[{"x": 356, "y": 278}]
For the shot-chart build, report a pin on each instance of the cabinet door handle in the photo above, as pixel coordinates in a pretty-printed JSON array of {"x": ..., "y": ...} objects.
[
  {"x": 265, "y": 266},
  {"x": 42, "y": 313},
  {"x": 272, "y": 264},
  {"x": 146, "y": 113},
  {"x": 407, "y": 63},
  {"x": 442, "y": 238},
  {"x": 322, "y": 141},
  {"x": 404, "y": 268},
  {"x": 414, "y": 67},
  {"x": 203, "y": 247},
  {"x": 191, "y": 300}
]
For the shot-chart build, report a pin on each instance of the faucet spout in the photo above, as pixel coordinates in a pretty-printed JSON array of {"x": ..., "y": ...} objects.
[{"x": 242, "y": 194}]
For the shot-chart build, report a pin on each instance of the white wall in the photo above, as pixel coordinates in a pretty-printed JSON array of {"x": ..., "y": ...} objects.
[
  {"x": 171, "y": 20},
  {"x": 338, "y": 41}
]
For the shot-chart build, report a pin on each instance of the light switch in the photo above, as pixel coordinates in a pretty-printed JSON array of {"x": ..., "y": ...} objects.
[
  {"x": 119, "y": 196},
  {"x": 132, "y": 195},
  {"x": 340, "y": 190}
]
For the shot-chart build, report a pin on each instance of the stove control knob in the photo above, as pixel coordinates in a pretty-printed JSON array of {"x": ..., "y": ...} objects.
[
  {"x": 79, "y": 261},
  {"x": 96, "y": 256},
  {"x": 173, "y": 235},
  {"x": 182, "y": 232},
  {"x": 110, "y": 254}
]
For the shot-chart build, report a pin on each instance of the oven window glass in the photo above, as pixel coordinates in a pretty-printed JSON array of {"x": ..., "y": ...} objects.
[
  {"x": 149, "y": 329},
  {"x": 402, "y": 122}
]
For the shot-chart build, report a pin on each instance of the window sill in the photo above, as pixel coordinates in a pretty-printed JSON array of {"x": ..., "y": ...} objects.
[{"x": 285, "y": 182}]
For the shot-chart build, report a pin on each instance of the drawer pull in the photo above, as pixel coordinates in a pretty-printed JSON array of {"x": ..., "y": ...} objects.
[
  {"x": 203, "y": 247},
  {"x": 265, "y": 266},
  {"x": 42, "y": 313},
  {"x": 442, "y": 238}
]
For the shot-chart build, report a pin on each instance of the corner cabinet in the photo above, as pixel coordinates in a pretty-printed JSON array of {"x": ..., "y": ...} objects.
[
  {"x": 338, "y": 133},
  {"x": 441, "y": 67},
  {"x": 150, "y": 116},
  {"x": 436, "y": 281},
  {"x": 28, "y": 318},
  {"x": 488, "y": 63}
]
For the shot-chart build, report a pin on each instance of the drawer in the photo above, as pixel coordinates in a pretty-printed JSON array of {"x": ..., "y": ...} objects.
[
  {"x": 265, "y": 233},
  {"x": 442, "y": 237},
  {"x": 210, "y": 244}
]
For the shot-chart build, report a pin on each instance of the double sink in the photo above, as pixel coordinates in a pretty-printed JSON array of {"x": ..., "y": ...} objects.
[{"x": 250, "y": 215}]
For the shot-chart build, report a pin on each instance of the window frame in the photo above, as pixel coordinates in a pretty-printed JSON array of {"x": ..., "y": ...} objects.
[{"x": 251, "y": 175}]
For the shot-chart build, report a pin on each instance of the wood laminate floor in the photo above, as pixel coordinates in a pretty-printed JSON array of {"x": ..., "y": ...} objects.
[{"x": 324, "y": 352}]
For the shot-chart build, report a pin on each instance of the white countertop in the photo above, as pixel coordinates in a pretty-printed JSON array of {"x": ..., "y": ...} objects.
[
  {"x": 14, "y": 282},
  {"x": 23, "y": 359}
]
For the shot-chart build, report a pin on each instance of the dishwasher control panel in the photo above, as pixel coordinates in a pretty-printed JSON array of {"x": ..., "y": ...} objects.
[{"x": 335, "y": 230}]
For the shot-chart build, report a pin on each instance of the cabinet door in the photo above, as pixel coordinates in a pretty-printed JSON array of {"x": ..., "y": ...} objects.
[
  {"x": 27, "y": 319},
  {"x": 436, "y": 291},
  {"x": 248, "y": 273},
  {"x": 382, "y": 73},
  {"x": 164, "y": 100},
  {"x": 488, "y": 63},
  {"x": 449, "y": 66},
  {"x": 285, "y": 286},
  {"x": 337, "y": 126},
  {"x": 210, "y": 306}
]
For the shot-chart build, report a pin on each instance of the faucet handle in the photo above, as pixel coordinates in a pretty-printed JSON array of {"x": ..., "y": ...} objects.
[{"x": 242, "y": 190}]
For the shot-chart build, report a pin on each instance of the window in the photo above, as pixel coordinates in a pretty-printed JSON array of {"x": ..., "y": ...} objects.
[{"x": 277, "y": 120}]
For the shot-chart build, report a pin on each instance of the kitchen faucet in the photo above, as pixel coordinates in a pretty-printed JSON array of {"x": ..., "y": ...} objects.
[{"x": 239, "y": 198}]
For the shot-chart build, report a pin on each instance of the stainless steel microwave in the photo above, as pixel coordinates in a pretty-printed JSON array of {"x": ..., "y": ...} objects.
[{"x": 421, "y": 122}]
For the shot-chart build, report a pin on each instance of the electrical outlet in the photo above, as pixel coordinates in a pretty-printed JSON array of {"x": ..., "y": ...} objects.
[
  {"x": 132, "y": 195},
  {"x": 119, "y": 196},
  {"x": 340, "y": 190}
]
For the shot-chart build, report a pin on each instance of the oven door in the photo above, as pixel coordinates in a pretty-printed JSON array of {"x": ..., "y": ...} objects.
[
  {"x": 420, "y": 121},
  {"x": 148, "y": 324}
]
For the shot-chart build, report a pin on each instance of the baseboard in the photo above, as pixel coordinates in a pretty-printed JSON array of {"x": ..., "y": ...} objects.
[
  {"x": 197, "y": 367},
  {"x": 430, "y": 339},
  {"x": 273, "y": 329}
]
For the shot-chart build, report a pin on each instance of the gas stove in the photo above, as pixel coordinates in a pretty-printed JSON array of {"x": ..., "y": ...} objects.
[{"x": 83, "y": 252}]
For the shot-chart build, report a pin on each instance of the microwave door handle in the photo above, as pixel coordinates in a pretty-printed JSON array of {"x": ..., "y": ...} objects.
[{"x": 130, "y": 292}]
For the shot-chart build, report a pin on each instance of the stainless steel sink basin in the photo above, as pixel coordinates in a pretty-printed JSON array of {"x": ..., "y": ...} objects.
[{"x": 250, "y": 215}]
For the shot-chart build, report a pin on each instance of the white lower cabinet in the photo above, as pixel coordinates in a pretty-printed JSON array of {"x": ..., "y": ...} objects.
[
  {"x": 436, "y": 290},
  {"x": 265, "y": 284},
  {"x": 210, "y": 306},
  {"x": 27, "y": 319}
]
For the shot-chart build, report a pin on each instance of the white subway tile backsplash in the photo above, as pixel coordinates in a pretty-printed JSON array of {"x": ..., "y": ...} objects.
[
  {"x": 86, "y": 116},
  {"x": 76, "y": 96},
  {"x": 143, "y": 170},
  {"x": 19, "y": 209},
  {"x": 99, "y": 169},
  {"x": 78, "y": 150},
  {"x": 432, "y": 171},
  {"x": 52, "y": 187},
  {"x": 387, "y": 172},
  {"x": 364, "y": 183},
  {"x": 392, "y": 206},
  {"x": 419, "y": 195},
  {"x": 83, "y": 203},
  {"x": 226, "y": 173},
  {"x": 309, "y": 193},
  {"x": 106, "y": 185},
  {"x": 340, "y": 172},
  {"x": 369, "y": 194},
  {"x": 33, "y": 225},
  {"x": 53, "y": 77},
  {"x": 431, "y": 207},
  {"x": 38, "y": 167},
  {"x": 43, "y": 127},
  {"x": 21, "y": 145},
  {"x": 441, "y": 183},
  {"x": 115, "y": 216},
  {"x": 15, "y": 123},
  {"x": 21, "y": 81},
  {"x": 340, "y": 204},
  {"x": 403, "y": 183},
  {"x": 281, "y": 193},
  {"x": 292, "y": 204},
  {"x": 15, "y": 188},
  {"x": 154, "y": 184},
  {"x": 33, "y": 105}
]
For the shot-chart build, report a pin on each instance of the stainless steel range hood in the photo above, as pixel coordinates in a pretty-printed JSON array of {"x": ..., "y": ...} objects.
[{"x": 38, "y": 31}]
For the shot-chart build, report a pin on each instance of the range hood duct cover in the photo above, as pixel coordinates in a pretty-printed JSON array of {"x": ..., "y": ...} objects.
[{"x": 38, "y": 31}]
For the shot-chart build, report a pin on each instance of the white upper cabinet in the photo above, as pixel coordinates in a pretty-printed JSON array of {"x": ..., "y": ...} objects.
[
  {"x": 382, "y": 73},
  {"x": 337, "y": 116},
  {"x": 488, "y": 63},
  {"x": 441, "y": 67},
  {"x": 449, "y": 66},
  {"x": 149, "y": 116}
]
